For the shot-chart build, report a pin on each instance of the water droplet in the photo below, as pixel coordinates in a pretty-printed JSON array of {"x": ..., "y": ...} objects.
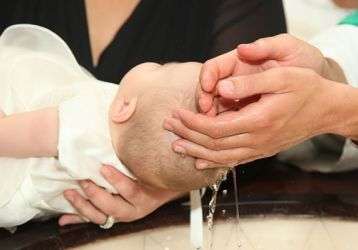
[
  {"x": 223, "y": 211},
  {"x": 224, "y": 192}
]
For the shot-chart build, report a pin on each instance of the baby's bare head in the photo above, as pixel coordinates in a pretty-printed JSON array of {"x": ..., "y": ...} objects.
[{"x": 145, "y": 146}]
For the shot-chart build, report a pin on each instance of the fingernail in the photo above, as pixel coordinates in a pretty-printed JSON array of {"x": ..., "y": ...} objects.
[
  {"x": 62, "y": 223},
  {"x": 205, "y": 81},
  {"x": 84, "y": 184},
  {"x": 204, "y": 105},
  {"x": 179, "y": 149},
  {"x": 69, "y": 197},
  {"x": 226, "y": 87},
  {"x": 167, "y": 125}
]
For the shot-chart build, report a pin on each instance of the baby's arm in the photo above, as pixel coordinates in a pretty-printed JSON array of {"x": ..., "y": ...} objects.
[{"x": 29, "y": 134}]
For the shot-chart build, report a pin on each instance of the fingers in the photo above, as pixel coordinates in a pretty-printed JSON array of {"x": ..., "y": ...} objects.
[
  {"x": 205, "y": 100},
  {"x": 204, "y": 164},
  {"x": 217, "y": 68},
  {"x": 126, "y": 187},
  {"x": 270, "y": 81},
  {"x": 221, "y": 157},
  {"x": 270, "y": 48},
  {"x": 68, "y": 219},
  {"x": 227, "y": 124},
  {"x": 84, "y": 207},
  {"x": 109, "y": 204},
  {"x": 177, "y": 127},
  {"x": 212, "y": 71}
]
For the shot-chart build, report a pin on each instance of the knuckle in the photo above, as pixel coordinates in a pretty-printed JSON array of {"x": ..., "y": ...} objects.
[
  {"x": 210, "y": 63},
  {"x": 184, "y": 132},
  {"x": 77, "y": 201},
  {"x": 260, "y": 41},
  {"x": 285, "y": 37},
  {"x": 212, "y": 144},
  {"x": 246, "y": 84},
  {"x": 213, "y": 132},
  {"x": 209, "y": 66},
  {"x": 282, "y": 74},
  {"x": 196, "y": 122},
  {"x": 132, "y": 192},
  {"x": 218, "y": 144},
  {"x": 90, "y": 192}
]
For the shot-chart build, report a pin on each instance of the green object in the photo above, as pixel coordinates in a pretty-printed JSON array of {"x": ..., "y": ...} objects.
[{"x": 352, "y": 19}]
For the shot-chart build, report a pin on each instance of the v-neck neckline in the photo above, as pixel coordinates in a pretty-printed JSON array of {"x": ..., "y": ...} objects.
[{"x": 121, "y": 30}]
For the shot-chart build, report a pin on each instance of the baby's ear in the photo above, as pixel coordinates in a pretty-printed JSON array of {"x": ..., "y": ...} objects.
[{"x": 123, "y": 110}]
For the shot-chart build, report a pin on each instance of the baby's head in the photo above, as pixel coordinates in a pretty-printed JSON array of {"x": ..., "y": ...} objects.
[{"x": 147, "y": 95}]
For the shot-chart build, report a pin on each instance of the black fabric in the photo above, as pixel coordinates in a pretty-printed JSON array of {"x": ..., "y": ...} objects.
[{"x": 158, "y": 30}]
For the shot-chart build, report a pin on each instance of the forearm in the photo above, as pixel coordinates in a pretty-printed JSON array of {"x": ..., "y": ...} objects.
[{"x": 29, "y": 134}]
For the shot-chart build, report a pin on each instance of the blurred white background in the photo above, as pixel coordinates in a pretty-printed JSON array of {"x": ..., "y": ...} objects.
[{"x": 305, "y": 18}]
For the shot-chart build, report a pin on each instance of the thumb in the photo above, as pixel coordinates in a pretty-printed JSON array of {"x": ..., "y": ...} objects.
[
  {"x": 270, "y": 48},
  {"x": 241, "y": 87}
]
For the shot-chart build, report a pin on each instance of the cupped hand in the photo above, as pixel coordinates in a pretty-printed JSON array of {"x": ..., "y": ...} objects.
[
  {"x": 133, "y": 201},
  {"x": 263, "y": 54},
  {"x": 293, "y": 105}
]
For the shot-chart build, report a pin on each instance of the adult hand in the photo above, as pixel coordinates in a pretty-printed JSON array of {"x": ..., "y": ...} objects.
[
  {"x": 263, "y": 54},
  {"x": 294, "y": 105},
  {"x": 134, "y": 201}
]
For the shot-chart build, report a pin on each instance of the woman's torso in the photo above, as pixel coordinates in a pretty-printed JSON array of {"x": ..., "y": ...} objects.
[{"x": 158, "y": 30}]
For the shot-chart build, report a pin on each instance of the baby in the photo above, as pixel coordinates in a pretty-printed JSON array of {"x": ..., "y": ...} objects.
[{"x": 58, "y": 125}]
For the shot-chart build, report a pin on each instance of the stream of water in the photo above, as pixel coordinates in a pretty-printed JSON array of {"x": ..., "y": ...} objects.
[
  {"x": 212, "y": 206},
  {"x": 237, "y": 215}
]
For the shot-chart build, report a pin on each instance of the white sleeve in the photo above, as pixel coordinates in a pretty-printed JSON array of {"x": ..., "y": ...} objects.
[
  {"x": 77, "y": 134},
  {"x": 84, "y": 142}
]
